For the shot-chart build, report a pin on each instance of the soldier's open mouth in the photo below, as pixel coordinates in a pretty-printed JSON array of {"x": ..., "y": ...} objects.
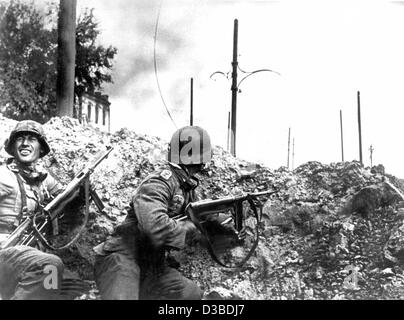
[{"x": 25, "y": 152}]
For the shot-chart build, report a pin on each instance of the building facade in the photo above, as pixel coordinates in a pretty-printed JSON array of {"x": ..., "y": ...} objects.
[{"x": 94, "y": 109}]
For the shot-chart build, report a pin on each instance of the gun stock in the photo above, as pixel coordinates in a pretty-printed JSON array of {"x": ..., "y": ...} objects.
[{"x": 17, "y": 235}]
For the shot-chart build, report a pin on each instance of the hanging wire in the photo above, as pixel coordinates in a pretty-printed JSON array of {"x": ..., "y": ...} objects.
[
  {"x": 254, "y": 72},
  {"x": 228, "y": 75},
  {"x": 155, "y": 64}
]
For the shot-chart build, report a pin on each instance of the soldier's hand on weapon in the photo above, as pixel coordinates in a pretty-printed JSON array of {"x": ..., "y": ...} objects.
[
  {"x": 242, "y": 234},
  {"x": 193, "y": 235},
  {"x": 187, "y": 226},
  {"x": 192, "y": 232},
  {"x": 228, "y": 226}
]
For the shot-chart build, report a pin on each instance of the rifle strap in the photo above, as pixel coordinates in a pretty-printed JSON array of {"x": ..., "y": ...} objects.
[
  {"x": 210, "y": 248},
  {"x": 258, "y": 218},
  {"x": 23, "y": 194}
]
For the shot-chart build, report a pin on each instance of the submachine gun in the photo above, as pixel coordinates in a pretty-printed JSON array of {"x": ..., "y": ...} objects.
[
  {"x": 200, "y": 212},
  {"x": 30, "y": 230}
]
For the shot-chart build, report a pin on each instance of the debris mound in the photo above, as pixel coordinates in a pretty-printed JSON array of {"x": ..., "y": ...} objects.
[{"x": 330, "y": 231}]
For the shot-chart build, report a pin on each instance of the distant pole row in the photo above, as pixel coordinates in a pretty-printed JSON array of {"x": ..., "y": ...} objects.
[
  {"x": 232, "y": 116},
  {"x": 293, "y": 152}
]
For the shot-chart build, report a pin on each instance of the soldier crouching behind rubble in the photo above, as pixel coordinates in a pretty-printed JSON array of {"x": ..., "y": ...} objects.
[
  {"x": 23, "y": 187},
  {"x": 132, "y": 263}
]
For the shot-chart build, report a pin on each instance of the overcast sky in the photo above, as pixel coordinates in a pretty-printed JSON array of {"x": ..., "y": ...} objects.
[{"x": 325, "y": 51}]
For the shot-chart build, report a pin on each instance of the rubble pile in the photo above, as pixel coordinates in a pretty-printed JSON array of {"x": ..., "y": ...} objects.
[
  {"x": 327, "y": 232},
  {"x": 330, "y": 232}
]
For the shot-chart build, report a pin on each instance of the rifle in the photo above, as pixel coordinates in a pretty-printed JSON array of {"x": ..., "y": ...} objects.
[
  {"x": 200, "y": 211},
  {"x": 29, "y": 229}
]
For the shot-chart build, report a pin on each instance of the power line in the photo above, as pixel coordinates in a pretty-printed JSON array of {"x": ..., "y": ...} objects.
[{"x": 155, "y": 65}]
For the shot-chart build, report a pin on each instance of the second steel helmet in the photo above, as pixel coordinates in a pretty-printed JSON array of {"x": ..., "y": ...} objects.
[
  {"x": 27, "y": 126},
  {"x": 190, "y": 145}
]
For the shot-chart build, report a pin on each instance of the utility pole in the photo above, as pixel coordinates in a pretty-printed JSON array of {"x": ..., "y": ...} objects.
[
  {"x": 342, "y": 135},
  {"x": 234, "y": 89},
  {"x": 360, "y": 130},
  {"x": 66, "y": 57},
  {"x": 288, "y": 146},
  {"x": 371, "y": 149},
  {"x": 293, "y": 154},
  {"x": 228, "y": 132},
  {"x": 192, "y": 103}
]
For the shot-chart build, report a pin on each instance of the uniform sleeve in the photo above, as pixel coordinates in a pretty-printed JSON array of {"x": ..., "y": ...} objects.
[
  {"x": 5, "y": 187},
  {"x": 150, "y": 205},
  {"x": 52, "y": 185}
]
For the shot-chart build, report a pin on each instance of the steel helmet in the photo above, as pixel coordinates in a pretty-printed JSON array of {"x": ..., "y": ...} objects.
[
  {"x": 27, "y": 126},
  {"x": 190, "y": 145}
]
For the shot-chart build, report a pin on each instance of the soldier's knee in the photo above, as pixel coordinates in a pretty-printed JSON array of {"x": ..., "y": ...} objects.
[
  {"x": 115, "y": 267},
  {"x": 114, "y": 261},
  {"x": 192, "y": 292},
  {"x": 35, "y": 258},
  {"x": 117, "y": 277},
  {"x": 55, "y": 261}
]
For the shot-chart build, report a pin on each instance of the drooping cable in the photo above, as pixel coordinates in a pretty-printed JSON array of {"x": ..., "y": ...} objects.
[{"x": 155, "y": 65}]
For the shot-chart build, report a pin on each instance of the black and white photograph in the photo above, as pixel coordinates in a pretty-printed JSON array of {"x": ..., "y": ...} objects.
[{"x": 221, "y": 151}]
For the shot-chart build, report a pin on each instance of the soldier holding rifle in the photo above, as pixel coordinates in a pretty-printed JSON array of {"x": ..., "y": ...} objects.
[
  {"x": 132, "y": 263},
  {"x": 31, "y": 201},
  {"x": 23, "y": 186}
]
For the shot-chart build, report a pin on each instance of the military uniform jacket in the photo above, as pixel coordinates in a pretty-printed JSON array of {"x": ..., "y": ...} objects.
[
  {"x": 159, "y": 198},
  {"x": 10, "y": 195}
]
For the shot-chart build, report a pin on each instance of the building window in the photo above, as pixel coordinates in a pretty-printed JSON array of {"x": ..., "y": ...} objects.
[
  {"x": 80, "y": 109},
  {"x": 96, "y": 113},
  {"x": 104, "y": 115},
  {"x": 89, "y": 111}
]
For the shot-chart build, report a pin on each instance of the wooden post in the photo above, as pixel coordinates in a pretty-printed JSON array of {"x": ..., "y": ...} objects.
[
  {"x": 293, "y": 154},
  {"x": 371, "y": 156},
  {"x": 228, "y": 132},
  {"x": 342, "y": 135},
  {"x": 66, "y": 57},
  {"x": 288, "y": 147},
  {"x": 359, "y": 128},
  {"x": 191, "y": 121},
  {"x": 234, "y": 90}
]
